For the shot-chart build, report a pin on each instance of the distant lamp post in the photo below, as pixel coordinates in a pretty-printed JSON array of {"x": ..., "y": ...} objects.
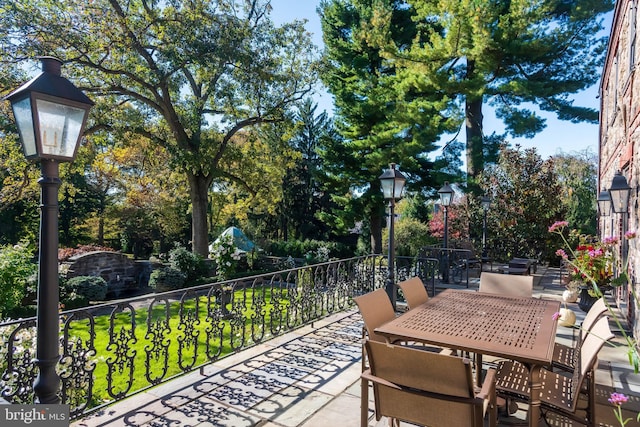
[
  {"x": 446, "y": 197},
  {"x": 486, "y": 204},
  {"x": 604, "y": 203},
  {"x": 50, "y": 113},
  {"x": 392, "y": 182},
  {"x": 604, "y": 208}
]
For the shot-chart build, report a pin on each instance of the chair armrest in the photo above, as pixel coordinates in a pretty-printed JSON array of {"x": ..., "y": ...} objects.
[
  {"x": 488, "y": 390},
  {"x": 367, "y": 375},
  {"x": 489, "y": 396}
]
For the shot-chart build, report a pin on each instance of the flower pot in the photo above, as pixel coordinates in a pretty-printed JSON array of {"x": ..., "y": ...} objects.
[
  {"x": 586, "y": 299},
  {"x": 570, "y": 295},
  {"x": 567, "y": 317}
]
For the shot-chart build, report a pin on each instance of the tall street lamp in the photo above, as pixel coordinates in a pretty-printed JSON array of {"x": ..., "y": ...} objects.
[
  {"x": 446, "y": 197},
  {"x": 486, "y": 204},
  {"x": 50, "y": 113},
  {"x": 392, "y": 182}
]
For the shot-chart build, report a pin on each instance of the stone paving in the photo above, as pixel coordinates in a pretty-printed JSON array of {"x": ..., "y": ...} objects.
[{"x": 310, "y": 378}]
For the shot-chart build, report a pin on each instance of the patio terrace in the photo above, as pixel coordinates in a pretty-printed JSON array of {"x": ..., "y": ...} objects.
[{"x": 310, "y": 377}]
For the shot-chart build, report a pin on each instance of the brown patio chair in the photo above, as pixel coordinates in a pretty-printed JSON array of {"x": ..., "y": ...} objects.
[
  {"x": 376, "y": 309},
  {"x": 564, "y": 355},
  {"x": 414, "y": 292},
  {"x": 559, "y": 394},
  {"x": 429, "y": 389},
  {"x": 506, "y": 284}
]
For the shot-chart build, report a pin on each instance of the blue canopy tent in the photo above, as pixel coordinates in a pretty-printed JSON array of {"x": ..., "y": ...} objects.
[{"x": 239, "y": 239}]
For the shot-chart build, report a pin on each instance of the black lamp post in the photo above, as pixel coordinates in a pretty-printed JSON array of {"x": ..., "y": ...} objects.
[
  {"x": 446, "y": 197},
  {"x": 620, "y": 192},
  {"x": 486, "y": 204},
  {"x": 50, "y": 113},
  {"x": 604, "y": 206},
  {"x": 392, "y": 182}
]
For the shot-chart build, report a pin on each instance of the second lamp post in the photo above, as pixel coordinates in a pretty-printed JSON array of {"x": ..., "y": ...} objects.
[
  {"x": 392, "y": 182},
  {"x": 446, "y": 197}
]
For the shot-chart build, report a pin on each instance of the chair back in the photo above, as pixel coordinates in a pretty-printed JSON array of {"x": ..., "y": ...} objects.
[
  {"x": 414, "y": 291},
  {"x": 587, "y": 356},
  {"x": 423, "y": 387},
  {"x": 506, "y": 284},
  {"x": 376, "y": 309},
  {"x": 597, "y": 309}
]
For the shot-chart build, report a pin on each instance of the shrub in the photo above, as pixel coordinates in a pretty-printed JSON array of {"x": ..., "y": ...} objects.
[
  {"x": 410, "y": 235},
  {"x": 226, "y": 256},
  {"x": 190, "y": 264},
  {"x": 73, "y": 300},
  {"x": 315, "y": 249},
  {"x": 93, "y": 288},
  {"x": 166, "y": 279},
  {"x": 16, "y": 268}
]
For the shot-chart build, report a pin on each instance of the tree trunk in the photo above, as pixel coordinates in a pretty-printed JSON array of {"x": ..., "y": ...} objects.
[
  {"x": 199, "y": 192},
  {"x": 473, "y": 120},
  {"x": 101, "y": 229}
]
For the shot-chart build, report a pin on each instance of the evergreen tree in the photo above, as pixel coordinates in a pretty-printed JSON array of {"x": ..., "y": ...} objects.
[
  {"x": 379, "y": 118},
  {"x": 512, "y": 55}
]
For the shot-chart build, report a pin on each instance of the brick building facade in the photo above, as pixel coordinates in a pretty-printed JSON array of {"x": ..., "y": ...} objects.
[{"x": 619, "y": 140}]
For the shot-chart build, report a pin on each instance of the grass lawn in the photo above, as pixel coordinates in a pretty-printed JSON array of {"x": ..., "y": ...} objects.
[{"x": 171, "y": 340}]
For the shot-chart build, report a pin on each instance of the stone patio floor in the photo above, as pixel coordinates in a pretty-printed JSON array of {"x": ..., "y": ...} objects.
[{"x": 310, "y": 378}]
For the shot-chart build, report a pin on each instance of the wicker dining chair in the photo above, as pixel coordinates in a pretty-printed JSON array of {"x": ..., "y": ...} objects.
[
  {"x": 564, "y": 355},
  {"x": 559, "y": 394},
  {"x": 414, "y": 292},
  {"x": 376, "y": 309},
  {"x": 506, "y": 284},
  {"x": 425, "y": 388}
]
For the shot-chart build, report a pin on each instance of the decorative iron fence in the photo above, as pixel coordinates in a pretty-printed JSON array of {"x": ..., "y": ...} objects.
[
  {"x": 454, "y": 264},
  {"x": 113, "y": 350}
]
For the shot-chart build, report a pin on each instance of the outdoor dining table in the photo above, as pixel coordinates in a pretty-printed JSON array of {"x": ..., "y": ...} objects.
[{"x": 508, "y": 327}]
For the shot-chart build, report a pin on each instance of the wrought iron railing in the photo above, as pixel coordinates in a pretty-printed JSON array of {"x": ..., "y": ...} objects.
[
  {"x": 454, "y": 264},
  {"x": 113, "y": 350}
]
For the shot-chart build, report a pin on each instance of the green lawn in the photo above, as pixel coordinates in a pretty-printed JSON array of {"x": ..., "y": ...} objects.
[{"x": 138, "y": 340}]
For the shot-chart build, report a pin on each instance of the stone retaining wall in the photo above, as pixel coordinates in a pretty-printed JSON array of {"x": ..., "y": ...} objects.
[{"x": 123, "y": 275}]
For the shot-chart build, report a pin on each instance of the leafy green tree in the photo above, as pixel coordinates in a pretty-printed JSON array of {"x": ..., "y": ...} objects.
[
  {"x": 186, "y": 75},
  {"x": 577, "y": 175},
  {"x": 19, "y": 191},
  {"x": 379, "y": 119},
  {"x": 511, "y": 55},
  {"x": 16, "y": 270},
  {"x": 525, "y": 200}
]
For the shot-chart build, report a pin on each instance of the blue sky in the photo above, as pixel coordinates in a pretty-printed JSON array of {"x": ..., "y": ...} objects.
[{"x": 558, "y": 136}]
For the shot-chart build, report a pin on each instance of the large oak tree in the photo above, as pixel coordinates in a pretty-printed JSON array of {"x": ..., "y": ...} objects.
[{"x": 190, "y": 75}]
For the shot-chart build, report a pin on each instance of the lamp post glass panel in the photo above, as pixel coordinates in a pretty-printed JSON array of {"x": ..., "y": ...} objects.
[
  {"x": 392, "y": 182},
  {"x": 446, "y": 197},
  {"x": 50, "y": 113}
]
